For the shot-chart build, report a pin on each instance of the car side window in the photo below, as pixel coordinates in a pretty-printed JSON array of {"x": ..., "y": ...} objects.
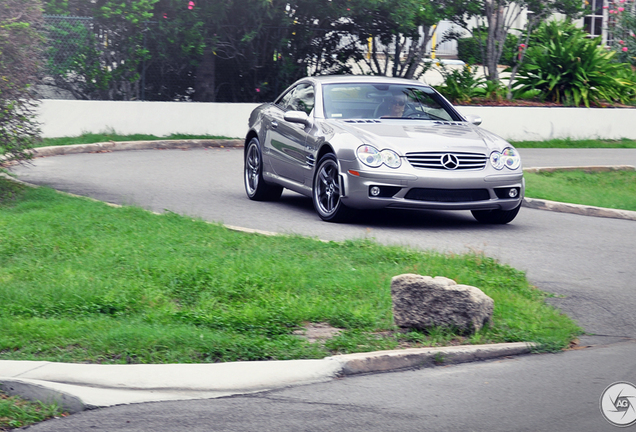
[{"x": 299, "y": 98}]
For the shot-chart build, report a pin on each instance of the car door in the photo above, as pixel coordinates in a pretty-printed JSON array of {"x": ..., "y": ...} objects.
[{"x": 285, "y": 145}]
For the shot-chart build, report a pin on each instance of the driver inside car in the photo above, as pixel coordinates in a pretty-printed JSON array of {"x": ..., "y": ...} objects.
[{"x": 395, "y": 106}]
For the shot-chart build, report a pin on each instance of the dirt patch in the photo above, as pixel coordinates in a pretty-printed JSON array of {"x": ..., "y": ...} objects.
[{"x": 317, "y": 332}]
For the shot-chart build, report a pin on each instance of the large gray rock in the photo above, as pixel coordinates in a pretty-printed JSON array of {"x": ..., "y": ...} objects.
[{"x": 421, "y": 302}]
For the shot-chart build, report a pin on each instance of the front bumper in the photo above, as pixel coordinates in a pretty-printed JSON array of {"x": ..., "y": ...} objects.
[{"x": 411, "y": 188}]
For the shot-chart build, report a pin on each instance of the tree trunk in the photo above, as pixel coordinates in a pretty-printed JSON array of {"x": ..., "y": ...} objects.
[
  {"x": 496, "y": 37},
  {"x": 205, "y": 79}
]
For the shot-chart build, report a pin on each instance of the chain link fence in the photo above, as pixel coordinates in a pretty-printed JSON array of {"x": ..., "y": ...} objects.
[{"x": 86, "y": 60}]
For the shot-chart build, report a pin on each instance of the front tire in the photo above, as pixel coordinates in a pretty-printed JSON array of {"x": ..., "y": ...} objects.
[
  {"x": 255, "y": 185},
  {"x": 495, "y": 216},
  {"x": 326, "y": 192}
]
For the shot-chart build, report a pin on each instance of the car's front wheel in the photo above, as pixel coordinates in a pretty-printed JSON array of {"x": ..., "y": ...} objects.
[
  {"x": 255, "y": 186},
  {"x": 495, "y": 216},
  {"x": 327, "y": 193}
]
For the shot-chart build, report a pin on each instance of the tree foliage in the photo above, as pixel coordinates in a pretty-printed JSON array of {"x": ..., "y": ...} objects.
[
  {"x": 398, "y": 33},
  {"x": 19, "y": 61},
  {"x": 498, "y": 17},
  {"x": 239, "y": 50},
  {"x": 111, "y": 49}
]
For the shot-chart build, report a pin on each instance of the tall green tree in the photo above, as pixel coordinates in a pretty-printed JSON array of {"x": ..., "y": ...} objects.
[
  {"x": 500, "y": 17},
  {"x": 396, "y": 34},
  {"x": 249, "y": 50},
  {"x": 20, "y": 43}
]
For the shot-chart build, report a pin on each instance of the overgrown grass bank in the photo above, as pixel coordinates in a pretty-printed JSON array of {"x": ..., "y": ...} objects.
[
  {"x": 614, "y": 189},
  {"x": 84, "y": 282}
]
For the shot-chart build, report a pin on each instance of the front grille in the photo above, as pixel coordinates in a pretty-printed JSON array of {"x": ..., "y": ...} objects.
[
  {"x": 434, "y": 160},
  {"x": 448, "y": 195}
]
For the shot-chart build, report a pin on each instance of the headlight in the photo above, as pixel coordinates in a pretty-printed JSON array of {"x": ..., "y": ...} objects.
[
  {"x": 496, "y": 160},
  {"x": 369, "y": 155},
  {"x": 374, "y": 158},
  {"x": 507, "y": 158},
  {"x": 511, "y": 158},
  {"x": 391, "y": 158}
]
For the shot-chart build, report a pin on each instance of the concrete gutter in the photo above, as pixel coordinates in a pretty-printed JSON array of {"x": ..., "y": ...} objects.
[{"x": 78, "y": 387}]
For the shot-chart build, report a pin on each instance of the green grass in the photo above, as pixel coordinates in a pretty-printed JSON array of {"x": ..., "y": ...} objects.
[
  {"x": 81, "y": 281},
  {"x": 16, "y": 412},
  {"x": 613, "y": 189},
  {"x": 570, "y": 143},
  {"x": 90, "y": 138}
]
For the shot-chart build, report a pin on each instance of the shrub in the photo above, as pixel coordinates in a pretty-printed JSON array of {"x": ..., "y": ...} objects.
[
  {"x": 568, "y": 67},
  {"x": 19, "y": 49},
  {"x": 460, "y": 85},
  {"x": 469, "y": 50},
  {"x": 623, "y": 28}
]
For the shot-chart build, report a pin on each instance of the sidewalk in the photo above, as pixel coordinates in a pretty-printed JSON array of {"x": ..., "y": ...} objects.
[{"x": 78, "y": 387}]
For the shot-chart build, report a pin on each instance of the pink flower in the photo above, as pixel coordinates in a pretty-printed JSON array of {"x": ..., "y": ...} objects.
[
  {"x": 191, "y": 5},
  {"x": 622, "y": 42},
  {"x": 624, "y": 49},
  {"x": 612, "y": 11},
  {"x": 621, "y": 9},
  {"x": 605, "y": 7}
]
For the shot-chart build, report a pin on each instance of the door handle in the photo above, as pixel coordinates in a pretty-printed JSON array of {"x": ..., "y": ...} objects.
[{"x": 274, "y": 124}]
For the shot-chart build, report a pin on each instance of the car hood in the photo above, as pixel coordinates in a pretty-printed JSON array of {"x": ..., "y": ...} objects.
[{"x": 421, "y": 135}]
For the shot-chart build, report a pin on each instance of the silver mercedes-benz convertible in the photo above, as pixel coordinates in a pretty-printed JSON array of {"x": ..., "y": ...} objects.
[{"x": 361, "y": 142}]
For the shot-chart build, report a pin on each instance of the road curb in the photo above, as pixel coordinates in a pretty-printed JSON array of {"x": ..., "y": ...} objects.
[
  {"x": 135, "y": 145},
  {"x": 384, "y": 361},
  {"x": 578, "y": 209}
]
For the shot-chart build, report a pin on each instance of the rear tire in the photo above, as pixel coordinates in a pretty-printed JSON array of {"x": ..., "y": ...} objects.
[
  {"x": 326, "y": 193},
  {"x": 495, "y": 216},
  {"x": 255, "y": 185}
]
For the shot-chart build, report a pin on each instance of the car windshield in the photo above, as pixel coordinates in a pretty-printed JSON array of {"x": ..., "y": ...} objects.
[{"x": 375, "y": 101}]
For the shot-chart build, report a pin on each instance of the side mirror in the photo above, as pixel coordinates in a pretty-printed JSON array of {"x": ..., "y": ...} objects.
[
  {"x": 476, "y": 120},
  {"x": 298, "y": 117}
]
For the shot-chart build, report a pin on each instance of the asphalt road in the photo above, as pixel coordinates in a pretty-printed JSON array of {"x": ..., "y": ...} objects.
[{"x": 587, "y": 262}]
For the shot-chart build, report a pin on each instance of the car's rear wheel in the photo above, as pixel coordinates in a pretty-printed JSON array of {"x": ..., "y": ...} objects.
[
  {"x": 495, "y": 216},
  {"x": 255, "y": 186},
  {"x": 326, "y": 191}
]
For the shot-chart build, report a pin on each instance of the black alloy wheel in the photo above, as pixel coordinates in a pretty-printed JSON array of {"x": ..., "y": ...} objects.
[
  {"x": 255, "y": 186},
  {"x": 326, "y": 191}
]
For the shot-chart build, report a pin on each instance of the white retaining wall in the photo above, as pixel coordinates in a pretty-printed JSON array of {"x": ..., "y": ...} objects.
[{"x": 60, "y": 118}]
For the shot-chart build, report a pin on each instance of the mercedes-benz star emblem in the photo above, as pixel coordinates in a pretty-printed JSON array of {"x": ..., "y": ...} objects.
[{"x": 450, "y": 161}]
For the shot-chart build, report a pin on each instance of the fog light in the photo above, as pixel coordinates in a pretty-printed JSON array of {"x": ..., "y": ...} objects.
[
  {"x": 513, "y": 192},
  {"x": 374, "y": 191}
]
